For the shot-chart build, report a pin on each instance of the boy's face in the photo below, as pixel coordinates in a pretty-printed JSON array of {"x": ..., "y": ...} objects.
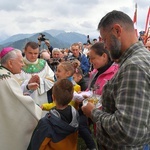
[{"x": 61, "y": 73}]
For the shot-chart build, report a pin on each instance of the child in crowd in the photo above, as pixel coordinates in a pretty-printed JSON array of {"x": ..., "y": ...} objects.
[
  {"x": 65, "y": 70},
  {"x": 79, "y": 79},
  {"x": 59, "y": 128}
]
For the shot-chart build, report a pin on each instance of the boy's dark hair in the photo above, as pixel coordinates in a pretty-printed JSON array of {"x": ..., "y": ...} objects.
[{"x": 63, "y": 91}]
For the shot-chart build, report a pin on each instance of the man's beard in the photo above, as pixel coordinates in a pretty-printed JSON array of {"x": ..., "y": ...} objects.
[{"x": 115, "y": 48}]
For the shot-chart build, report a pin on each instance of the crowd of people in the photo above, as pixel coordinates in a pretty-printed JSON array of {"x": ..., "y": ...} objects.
[{"x": 43, "y": 91}]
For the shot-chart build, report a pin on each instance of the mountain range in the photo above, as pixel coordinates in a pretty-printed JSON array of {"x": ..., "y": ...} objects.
[{"x": 57, "y": 38}]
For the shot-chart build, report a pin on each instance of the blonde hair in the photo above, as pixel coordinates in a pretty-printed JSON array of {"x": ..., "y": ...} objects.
[{"x": 68, "y": 66}]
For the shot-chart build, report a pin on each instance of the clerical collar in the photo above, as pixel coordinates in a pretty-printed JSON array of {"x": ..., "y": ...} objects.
[{"x": 29, "y": 62}]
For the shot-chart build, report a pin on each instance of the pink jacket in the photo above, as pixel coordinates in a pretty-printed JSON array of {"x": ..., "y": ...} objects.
[{"x": 104, "y": 77}]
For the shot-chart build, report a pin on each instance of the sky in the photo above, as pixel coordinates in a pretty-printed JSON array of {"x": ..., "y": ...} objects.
[{"x": 82, "y": 16}]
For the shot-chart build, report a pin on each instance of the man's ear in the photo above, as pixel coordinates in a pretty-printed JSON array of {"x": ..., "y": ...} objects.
[
  {"x": 9, "y": 63},
  {"x": 117, "y": 29}
]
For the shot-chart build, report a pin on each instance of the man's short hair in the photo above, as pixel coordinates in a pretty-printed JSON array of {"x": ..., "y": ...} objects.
[
  {"x": 31, "y": 44},
  {"x": 114, "y": 17}
]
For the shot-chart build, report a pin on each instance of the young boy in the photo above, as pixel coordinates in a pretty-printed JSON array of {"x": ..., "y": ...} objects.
[{"x": 59, "y": 128}]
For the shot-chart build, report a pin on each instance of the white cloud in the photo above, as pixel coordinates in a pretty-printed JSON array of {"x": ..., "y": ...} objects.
[{"x": 30, "y": 16}]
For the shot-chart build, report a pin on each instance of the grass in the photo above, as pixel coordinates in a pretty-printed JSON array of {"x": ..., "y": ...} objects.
[{"x": 81, "y": 143}]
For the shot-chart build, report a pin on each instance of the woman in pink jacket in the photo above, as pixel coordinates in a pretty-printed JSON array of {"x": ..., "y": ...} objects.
[{"x": 104, "y": 67}]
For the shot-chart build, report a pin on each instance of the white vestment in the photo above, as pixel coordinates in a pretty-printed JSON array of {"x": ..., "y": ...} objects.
[
  {"x": 19, "y": 114},
  {"x": 40, "y": 68}
]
